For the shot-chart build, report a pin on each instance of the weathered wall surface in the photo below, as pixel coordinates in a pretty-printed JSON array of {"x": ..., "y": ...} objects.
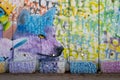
[{"x": 51, "y": 33}]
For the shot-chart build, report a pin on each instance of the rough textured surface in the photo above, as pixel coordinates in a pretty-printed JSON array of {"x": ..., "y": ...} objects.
[
  {"x": 22, "y": 67},
  {"x": 83, "y": 67},
  {"x": 3, "y": 67},
  {"x": 52, "y": 67},
  {"x": 110, "y": 67},
  {"x": 34, "y": 24},
  {"x": 38, "y": 76}
]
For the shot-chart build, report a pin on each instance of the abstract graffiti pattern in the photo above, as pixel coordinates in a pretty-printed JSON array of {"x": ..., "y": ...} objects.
[{"x": 88, "y": 31}]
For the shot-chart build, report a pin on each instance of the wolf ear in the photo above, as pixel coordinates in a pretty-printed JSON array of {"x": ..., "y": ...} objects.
[
  {"x": 23, "y": 17},
  {"x": 48, "y": 17}
]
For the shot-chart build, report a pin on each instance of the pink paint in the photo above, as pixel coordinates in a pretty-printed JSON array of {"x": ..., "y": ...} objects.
[{"x": 110, "y": 66}]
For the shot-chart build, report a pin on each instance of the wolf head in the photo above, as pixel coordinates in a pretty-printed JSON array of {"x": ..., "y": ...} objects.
[
  {"x": 42, "y": 45},
  {"x": 40, "y": 33}
]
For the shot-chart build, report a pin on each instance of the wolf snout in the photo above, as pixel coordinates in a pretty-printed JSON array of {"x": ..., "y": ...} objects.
[{"x": 59, "y": 50}]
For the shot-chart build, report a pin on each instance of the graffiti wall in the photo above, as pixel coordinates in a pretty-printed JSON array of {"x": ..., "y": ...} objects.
[
  {"x": 110, "y": 36},
  {"x": 78, "y": 20},
  {"x": 54, "y": 36}
]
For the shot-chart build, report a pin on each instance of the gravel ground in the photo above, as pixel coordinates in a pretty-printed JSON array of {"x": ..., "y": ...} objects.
[{"x": 38, "y": 76}]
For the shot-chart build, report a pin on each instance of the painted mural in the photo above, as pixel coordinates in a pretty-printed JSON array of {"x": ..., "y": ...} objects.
[
  {"x": 47, "y": 35},
  {"x": 92, "y": 31},
  {"x": 110, "y": 36},
  {"x": 32, "y": 36},
  {"x": 78, "y": 24},
  {"x": 79, "y": 21}
]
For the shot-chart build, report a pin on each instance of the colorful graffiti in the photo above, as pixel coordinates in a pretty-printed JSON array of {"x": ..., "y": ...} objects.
[
  {"x": 109, "y": 31},
  {"x": 79, "y": 23},
  {"x": 85, "y": 33},
  {"x": 91, "y": 28},
  {"x": 5, "y": 9},
  {"x": 34, "y": 36},
  {"x": 110, "y": 36}
]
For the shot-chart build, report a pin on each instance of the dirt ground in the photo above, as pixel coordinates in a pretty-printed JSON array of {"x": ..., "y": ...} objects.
[{"x": 38, "y": 76}]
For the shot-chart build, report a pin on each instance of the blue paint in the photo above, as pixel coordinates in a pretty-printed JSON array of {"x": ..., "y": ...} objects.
[
  {"x": 82, "y": 67},
  {"x": 35, "y": 24},
  {"x": 108, "y": 54},
  {"x": 20, "y": 43},
  {"x": 2, "y": 59},
  {"x": 48, "y": 67},
  {"x": 2, "y": 12}
]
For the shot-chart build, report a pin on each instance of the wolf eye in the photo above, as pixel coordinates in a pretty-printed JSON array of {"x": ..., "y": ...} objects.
[{"x": 41, "y": 36}]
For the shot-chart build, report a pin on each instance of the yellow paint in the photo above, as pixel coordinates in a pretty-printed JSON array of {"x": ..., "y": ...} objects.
[
  {"x": 2, "y": 67},
  {"x": 118, "y": 49},
  {"x": 6, "y": 6},
  {"x": 115, "y": 42},
  {"x": 94, "y": 7}
]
